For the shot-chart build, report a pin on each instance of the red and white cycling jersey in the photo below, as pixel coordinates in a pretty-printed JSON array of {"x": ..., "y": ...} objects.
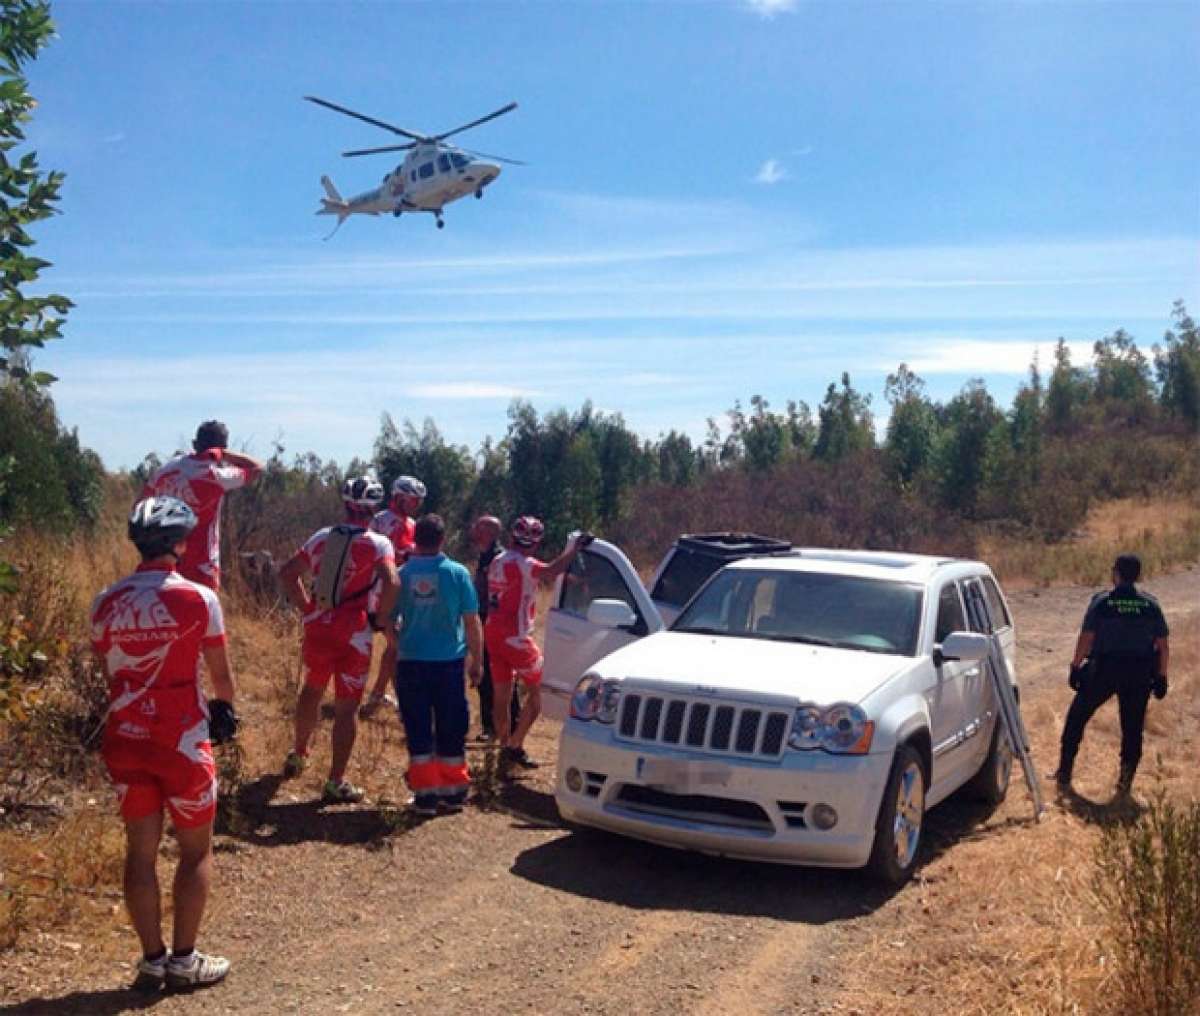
[
  {"x": 367, "y": 550},
  {"x": 151, "y": 630},
  {"x": 200, "y": 481},
  {"x": 400, "y": 529},
  {"x": 512, "y": 595}
]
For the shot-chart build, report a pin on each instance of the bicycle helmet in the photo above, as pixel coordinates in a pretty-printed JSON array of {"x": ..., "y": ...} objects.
[
  {"x": 362, "y": 492},
  {"x": 409, "y": 485},
  {"x": 156, "y": 524},
  {"x": 211, "y": 434},
  {"x": 527, "y": 531}
]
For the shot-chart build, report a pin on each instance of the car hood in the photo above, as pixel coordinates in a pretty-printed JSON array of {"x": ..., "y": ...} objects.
[{"x": 722, "y": 665}]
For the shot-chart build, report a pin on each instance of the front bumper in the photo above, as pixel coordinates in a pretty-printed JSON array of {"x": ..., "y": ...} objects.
[{"x": 757, "y": 810}]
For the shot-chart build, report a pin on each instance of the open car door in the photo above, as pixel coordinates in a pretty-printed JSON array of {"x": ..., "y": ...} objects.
[{"x": 572, "y": 644}]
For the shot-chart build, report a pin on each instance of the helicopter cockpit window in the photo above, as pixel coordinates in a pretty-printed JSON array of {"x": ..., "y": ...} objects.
[
  {"x": 460, "y": 161},
  {"x": 443, "y": 163},
  {"x": 426, "y": 171}
]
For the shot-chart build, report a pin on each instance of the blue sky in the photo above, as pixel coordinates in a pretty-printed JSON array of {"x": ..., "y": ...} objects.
[{"x": 723, "y": 199}]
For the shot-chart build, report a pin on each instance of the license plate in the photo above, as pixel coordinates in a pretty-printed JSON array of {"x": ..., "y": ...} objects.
[{"x": 676, "y": 775}]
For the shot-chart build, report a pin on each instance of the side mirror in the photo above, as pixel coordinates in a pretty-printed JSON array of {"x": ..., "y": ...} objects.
[
  {"x": 967, "y": 646},
  {"x": 611, "y": 614}
]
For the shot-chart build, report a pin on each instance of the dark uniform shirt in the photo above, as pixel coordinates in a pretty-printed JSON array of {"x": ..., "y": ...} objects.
[
  {"x": 1125, "y": 622},
  {"x": 481, "y": 580}
]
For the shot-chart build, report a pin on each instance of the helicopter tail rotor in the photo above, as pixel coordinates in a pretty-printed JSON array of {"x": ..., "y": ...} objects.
[{"x": 334, "y": 204}]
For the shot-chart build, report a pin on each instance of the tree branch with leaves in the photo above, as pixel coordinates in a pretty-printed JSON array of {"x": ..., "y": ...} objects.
[{"x": 26, "y": 196}]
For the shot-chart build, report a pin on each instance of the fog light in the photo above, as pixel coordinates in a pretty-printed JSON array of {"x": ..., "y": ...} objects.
[
  {"x": 575, "y": 780},
  {"x": 823, "y": 816}
]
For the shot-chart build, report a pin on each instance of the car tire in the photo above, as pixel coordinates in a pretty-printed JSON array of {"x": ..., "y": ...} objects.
[
  {"x": 901, "y": 819},
  {"x": 990, "y": 784}
]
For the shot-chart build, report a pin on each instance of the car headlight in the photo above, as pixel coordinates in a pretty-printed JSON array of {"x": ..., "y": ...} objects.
[
  {"x": 842, "y": 729},
  {"x": 595, "y": 699}
]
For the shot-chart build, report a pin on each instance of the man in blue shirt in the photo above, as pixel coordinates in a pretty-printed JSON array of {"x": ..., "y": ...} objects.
[{"x": 439, "y": 639}]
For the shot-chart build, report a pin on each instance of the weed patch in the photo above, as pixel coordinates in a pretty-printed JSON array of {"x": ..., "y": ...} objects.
[{"x": 1147, "y": 883}]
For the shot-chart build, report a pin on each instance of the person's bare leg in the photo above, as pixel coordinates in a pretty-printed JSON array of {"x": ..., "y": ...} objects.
[
  {"x": 501, "y": 694},
  {"x": 386, "y": 675},
  {"x": 308, "y": 713},
  {"x": 142, "y": 897},
  {"x": 345, "y": 730},
  {"x": 531, "y": 708},
  {"x": 192, "y": 878}
]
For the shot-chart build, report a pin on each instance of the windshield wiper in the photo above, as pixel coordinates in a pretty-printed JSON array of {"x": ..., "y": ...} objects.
[
  {"x": 811, "y": 640},
  {"x": 702, "y": 631}
]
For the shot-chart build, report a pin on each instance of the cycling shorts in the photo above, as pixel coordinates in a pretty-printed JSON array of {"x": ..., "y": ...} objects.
[
  {"x": 332, "y": 651},
  {"x": 149, "y": 775},
  {"x": 514, "y": 659}
]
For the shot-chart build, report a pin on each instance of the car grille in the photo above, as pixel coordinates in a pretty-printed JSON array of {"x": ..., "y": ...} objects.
[
  {"x": 726, "y": 729},
  {"x": 716, "y": 811}
]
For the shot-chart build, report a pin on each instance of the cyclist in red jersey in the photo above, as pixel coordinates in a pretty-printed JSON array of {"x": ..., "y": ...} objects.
[
  {"x": 398, "y": 524},
  {"x": 201, "y": 480},
  {"x": 513, "y": 578},
  {"x": 150, "y": 632},
  {"x": 338, "y": 638}
]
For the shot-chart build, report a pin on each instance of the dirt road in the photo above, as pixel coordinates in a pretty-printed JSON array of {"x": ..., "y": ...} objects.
[{"x": 501, "y": 910}]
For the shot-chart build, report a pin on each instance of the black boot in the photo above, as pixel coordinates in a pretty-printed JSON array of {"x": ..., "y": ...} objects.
[
  {"x": 1062, "y": 775},
  {"x": 1125, "y": 781}
]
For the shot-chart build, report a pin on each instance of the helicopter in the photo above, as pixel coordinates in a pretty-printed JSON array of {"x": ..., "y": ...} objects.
[{"x": 431, "y": 176}]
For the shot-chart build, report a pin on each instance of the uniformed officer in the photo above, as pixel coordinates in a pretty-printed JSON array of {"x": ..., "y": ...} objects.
[{"x": 1125, "y": 646}]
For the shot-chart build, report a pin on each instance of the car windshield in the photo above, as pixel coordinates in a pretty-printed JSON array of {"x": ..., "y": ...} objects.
[{"x": 844, "y": 611}]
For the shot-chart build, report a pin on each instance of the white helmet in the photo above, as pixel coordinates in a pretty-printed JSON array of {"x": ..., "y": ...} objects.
[
  {"x": 156, "y": 524},
  {"x": 362, "y": 492},
  {"x": 409, "y": 485}
]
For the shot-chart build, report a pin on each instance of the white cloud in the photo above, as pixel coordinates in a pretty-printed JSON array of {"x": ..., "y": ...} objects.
[
  {"x": 469, "y": 390},
  {"x": 769, "y": 8},
  {"x": 771, "y": 172},
  {"x": 980, "y": 358}
]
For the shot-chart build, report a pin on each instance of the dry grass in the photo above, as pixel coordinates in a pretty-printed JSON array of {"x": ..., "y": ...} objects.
[
  {"x": 68, "y": 872},
  {"x": 1164, "y": 533}
]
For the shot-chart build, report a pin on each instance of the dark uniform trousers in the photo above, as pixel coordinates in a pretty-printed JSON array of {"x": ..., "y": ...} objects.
[{"x": 1127, "y": 677}]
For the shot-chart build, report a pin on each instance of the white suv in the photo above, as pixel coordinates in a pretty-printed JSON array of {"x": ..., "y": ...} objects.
[{"x": 805, "y": 706}]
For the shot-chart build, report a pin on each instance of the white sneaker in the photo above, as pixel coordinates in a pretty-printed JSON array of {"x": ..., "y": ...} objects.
[
  {"x": 151, "y": 974},
  {"x": 198, "y": 970}
]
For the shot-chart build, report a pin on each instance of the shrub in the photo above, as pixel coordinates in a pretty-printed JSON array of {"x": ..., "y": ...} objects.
[{"x": 1148, "y": 883}]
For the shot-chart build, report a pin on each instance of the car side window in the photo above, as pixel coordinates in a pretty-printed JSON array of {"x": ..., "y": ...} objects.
[
  {"x": 995, "y": 602},
  {"x": 589, "y": 578},
  {"x": 950, "y": 617}
]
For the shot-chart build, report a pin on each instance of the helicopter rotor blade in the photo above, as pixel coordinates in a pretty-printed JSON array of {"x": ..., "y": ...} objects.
[
  {"x": 367, "y": 119},
  {"x": 376, "y": 151},
  {"x": 475, "y": 123},
  {"x": 498, "y": 158}
]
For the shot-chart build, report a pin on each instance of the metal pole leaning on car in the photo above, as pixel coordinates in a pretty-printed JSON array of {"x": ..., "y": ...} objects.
[
  {"x": 1014, "y": 726},
  {"x": 1007, "y": 706}
]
